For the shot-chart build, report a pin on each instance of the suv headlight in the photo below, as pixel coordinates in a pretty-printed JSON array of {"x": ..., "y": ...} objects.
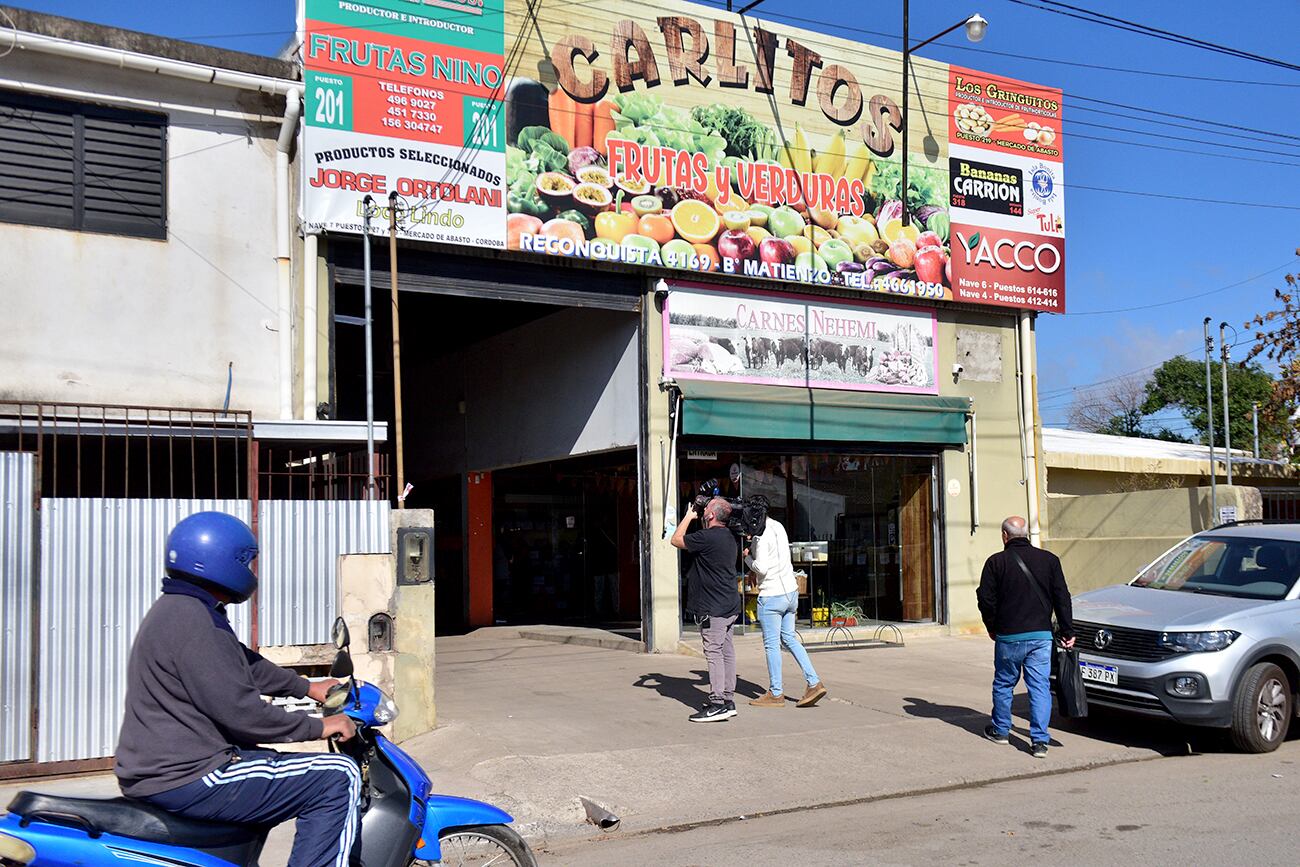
[
  {"x": 385, "y": 711},
  {"x": 1197, "y": 642}
]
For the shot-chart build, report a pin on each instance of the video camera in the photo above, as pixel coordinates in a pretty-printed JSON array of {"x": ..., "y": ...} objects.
[{"x": 748, "y": 516}]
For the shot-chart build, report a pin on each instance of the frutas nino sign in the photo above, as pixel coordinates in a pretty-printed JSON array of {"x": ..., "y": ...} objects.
[{"x": 683, "y": 138}]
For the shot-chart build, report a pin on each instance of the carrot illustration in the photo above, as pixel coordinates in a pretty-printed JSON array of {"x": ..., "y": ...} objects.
[
  {"x": 583, "y": 124},
  {"x": 602, "y": 123},
  {"x": 563, "y": 115}
]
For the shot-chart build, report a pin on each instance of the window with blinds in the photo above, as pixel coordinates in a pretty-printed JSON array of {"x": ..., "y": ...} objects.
[{"x": 85, "y": 167}]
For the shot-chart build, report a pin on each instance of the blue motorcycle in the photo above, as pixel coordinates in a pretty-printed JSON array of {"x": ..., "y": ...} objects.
[{"x": 402, "y": 823}]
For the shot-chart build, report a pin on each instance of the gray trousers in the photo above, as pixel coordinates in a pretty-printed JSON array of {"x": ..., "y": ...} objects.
[{"x": 720, "y": 653}]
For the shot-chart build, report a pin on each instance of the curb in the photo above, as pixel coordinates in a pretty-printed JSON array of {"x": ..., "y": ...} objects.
[
  {"x": 548, "y": 834},
  {"x": 605, "y": 642}
]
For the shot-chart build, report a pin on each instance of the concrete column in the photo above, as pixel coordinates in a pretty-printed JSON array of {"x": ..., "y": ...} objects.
[
  {"x": 664, "y": 605},
  {"x": 368, "y": 587}
]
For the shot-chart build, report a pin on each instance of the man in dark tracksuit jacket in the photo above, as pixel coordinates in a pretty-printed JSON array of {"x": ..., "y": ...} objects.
[
  {"x": 1018, "y": 617},
  {"x": 194, "y": 712}
]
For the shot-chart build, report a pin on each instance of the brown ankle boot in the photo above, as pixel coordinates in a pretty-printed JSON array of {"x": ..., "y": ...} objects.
[
  {"x": 768, "y": 700},
  {"x": 814, "y": 694}
]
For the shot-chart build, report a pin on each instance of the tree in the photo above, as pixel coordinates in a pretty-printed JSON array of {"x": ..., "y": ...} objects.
[
  {"x": 1180, "y": 383},
  {"x": 1116, "y": 409},
  {"x": 1277, "y": 338}
]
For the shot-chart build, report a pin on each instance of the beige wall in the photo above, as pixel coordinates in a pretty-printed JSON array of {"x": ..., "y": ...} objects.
[
  {"x": 1105, "y": 539},
  {"x": 999, "y": 464}
]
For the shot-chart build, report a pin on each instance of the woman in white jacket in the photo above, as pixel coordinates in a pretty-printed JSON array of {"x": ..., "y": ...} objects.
[{"x": 768, "y": 559}]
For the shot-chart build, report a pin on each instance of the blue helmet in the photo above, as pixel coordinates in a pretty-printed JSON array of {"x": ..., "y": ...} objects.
[{"x": 215, "y": 548}]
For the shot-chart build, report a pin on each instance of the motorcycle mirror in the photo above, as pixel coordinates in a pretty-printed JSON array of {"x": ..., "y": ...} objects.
[
  {"x": 340, "y": 634},
  {"x": 335, "y": 698},
  {"x": 342, "y": 666}
]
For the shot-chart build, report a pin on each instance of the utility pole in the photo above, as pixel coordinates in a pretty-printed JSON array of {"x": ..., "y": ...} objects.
[
  {"x": 367, "y": 208},
  {"x": 397, "y": 349},
  {"x": 907, "y": 57},
  {"x": 1254, "y": 423},
  {"x": 1209, "y": 418},
  {"x": 1223, "y": 368}
]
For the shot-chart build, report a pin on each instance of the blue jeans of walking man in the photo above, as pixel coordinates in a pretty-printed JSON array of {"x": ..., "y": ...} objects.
[
  {"x": 1033, "y": 659},
  {"x": 776, "y": 617}
]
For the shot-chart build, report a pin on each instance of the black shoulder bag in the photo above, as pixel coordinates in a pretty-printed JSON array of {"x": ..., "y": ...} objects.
[{"x": 1069, "y": 686}]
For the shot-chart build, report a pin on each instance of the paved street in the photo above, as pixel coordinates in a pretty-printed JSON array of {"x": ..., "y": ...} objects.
[
  {"x": 1208, "y": 809},
  {"x": 531, "y": 726}
]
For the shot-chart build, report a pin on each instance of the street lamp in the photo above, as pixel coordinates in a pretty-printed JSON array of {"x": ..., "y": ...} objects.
[{"x": 976, "y": 26}]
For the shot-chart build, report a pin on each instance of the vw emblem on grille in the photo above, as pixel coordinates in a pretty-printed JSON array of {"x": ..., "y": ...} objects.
[{"x": 1103, "y": 638}]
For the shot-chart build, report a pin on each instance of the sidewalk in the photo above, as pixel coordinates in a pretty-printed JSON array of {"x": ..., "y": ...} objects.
[{"x": 533, "y": 725}]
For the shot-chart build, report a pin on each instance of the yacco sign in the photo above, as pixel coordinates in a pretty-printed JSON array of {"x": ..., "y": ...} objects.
[
  {"x": 675, "y": 137},
  {"x": 1006, "y": 192},
  {"x": 782, "y": 339}
]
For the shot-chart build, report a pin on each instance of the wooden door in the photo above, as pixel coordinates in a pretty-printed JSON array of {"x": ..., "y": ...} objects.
[{"x": 917, "y": 547}]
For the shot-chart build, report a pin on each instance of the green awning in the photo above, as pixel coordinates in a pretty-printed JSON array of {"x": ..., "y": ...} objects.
[{"x": 728, "y": 409}]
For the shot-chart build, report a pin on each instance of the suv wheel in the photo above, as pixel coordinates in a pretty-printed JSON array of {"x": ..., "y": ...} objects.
[{"x": 1261, "y": 712}]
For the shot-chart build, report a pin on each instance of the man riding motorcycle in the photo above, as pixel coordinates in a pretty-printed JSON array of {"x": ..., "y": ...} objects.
[{"x": 195, "y": 714}]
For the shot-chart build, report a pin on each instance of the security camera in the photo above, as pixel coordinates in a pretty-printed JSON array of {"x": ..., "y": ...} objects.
[{"x": 958, "y": 369}]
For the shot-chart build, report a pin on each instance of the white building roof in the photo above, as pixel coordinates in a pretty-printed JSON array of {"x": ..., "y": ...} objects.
[{"x": 1059, "y": 441}]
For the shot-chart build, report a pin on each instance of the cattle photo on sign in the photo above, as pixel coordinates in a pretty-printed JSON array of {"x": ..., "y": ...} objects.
[{"x": 778, "y": 340}]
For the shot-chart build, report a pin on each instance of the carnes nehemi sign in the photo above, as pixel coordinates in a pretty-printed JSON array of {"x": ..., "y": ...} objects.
[{"x": 683, "y": 137}]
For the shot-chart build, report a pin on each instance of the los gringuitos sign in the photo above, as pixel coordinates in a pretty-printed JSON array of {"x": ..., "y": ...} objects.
[{"x": 685, "y": 138}]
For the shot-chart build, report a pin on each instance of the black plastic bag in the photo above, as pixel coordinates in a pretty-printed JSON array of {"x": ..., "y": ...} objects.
[{"x": 1073, "y": 700}]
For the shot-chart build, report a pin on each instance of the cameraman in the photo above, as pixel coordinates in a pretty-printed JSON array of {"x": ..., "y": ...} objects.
[{"x": 713, "y": 598}]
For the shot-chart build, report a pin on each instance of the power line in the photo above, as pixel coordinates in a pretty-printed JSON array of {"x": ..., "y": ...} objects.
[
  {"x": 1092, "y": 17},
  {"x": 1072, "y": 392},
  {"x": 1287, "y": 264}
]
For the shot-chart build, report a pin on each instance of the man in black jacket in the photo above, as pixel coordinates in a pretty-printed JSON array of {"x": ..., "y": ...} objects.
[{"x": 1022, "y": 586}]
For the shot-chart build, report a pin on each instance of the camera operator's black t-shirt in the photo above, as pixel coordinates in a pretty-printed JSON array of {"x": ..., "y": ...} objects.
[{"x": 711, "y": 573}]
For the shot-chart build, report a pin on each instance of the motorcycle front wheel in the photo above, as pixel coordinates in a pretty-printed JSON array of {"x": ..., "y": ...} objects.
[{"x": 483, "y": 845}]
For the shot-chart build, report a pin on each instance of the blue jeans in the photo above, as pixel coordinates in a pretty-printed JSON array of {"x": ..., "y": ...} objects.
[
  {"x": 776, "y": 616},
  {"x": 1034, "y": 659}
]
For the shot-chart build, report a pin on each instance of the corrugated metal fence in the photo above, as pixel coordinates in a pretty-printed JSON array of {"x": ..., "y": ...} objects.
[
  {"x": 301, "y": 541},
  {"x": 17, "y": 542},
  {"x": 100, "y": 572}
]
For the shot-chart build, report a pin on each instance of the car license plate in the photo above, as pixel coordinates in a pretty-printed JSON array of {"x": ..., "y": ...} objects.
[{"x": 1107, "y": 674}]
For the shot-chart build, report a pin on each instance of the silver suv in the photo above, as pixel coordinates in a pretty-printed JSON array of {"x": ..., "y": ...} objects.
[{"x": 1209, "y": 634}]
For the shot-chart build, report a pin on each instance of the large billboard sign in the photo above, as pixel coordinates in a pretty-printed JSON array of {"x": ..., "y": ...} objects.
[
  {"x": 683, "y": 137},
  {"x": 404, "y": 96}
]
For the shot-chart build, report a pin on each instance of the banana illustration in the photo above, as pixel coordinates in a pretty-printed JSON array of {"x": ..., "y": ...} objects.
[
  {"x": 801, "y": 156},
  {"x": 858, "y": 163},
  {"x": 831, "y": 161}
]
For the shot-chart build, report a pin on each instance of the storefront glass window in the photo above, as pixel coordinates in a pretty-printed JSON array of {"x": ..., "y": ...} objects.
[{"x": 861, "y": 528}]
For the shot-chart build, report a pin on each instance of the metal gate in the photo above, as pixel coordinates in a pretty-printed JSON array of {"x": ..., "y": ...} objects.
[
  {"x": 101, "y": 567},
  {"x": 17, "y": 542},
  {"x": 89, "y": 495},
  {"x": 301, "y": 541}
]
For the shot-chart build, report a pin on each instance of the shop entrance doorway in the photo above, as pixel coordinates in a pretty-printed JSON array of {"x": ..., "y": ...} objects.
[
  {"x": 565, "y": 547},
  {"x": 862, "y": 527}
]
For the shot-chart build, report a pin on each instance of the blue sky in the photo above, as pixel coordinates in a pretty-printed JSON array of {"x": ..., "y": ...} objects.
[{"x": 1124, "y": 251}]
